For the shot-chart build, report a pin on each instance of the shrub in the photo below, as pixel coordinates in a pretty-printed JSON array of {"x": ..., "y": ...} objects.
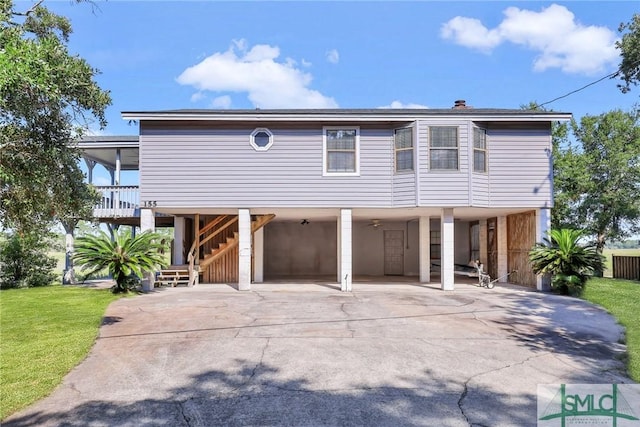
[
  {"x": 24, "y": 261},
  {"x": 569, "y": 262}
]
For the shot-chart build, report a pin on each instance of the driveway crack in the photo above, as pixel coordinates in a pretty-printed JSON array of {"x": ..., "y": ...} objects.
[
  {"x": 465, "y": 390},
  {"x": 259, "y": 364},
  {"x": 185, "y": 417},
  {"x": 348, "y": 324}
]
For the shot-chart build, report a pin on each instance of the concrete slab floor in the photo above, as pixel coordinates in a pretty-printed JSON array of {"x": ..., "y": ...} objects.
[{"x": 305, "y": 354}]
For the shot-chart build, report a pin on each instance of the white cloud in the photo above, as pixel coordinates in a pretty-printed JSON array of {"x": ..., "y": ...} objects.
[
  {"x": 256, "y": 71},
  {"x": 223, "y": 102},
  {"x": 399, "y": 104},
  {"x": 560, "y": 41},
  {"x": 333, "y": 56},
  {"x": 305, "y": 63},
  {"x": 197, "y": 96}
]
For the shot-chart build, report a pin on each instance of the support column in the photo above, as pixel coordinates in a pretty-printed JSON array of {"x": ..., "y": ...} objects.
[
  {"x": 345, "y": 258},
  {"x": 447, "y": 240},
  {"x": 148, "y": 223},
  {"x": 258, "y": 255},
  {"x": 482, "y": 235},
  {"x": 244, "y": 250},
  {"x": 503, "y": 265},
  {"x": 425, "y": 249},
  {"x": 543, "y": 225},
  {"x": 90, "y": 165},
  {"x": 69, "y": 275},
  {"x": 177, "y": 257}
]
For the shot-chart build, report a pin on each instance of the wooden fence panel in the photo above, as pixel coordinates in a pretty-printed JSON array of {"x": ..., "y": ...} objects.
[{"x": 626, "y": 267}]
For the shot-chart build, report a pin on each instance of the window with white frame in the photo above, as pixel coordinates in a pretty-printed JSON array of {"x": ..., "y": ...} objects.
[
  {"x": 443, "y": 148},
  {"x": 341, "y": 147},
  {"x": 403, "y": 141},
  {"x": 479, "y": 150},
  {"x": 261, "y": 139}
]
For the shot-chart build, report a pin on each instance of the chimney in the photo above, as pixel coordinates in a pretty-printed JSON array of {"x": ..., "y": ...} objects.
[{"x": 460, "y": 104}]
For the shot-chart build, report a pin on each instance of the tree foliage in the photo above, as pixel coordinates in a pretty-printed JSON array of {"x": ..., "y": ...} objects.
[
  {"x": 48, "y": 98},
  {"x": 126, "y": 257},
  {"x": 25, "y": 262},
  {"x": 629, "y": 46},
  {"x": 568, "y": 261},
  {"x": 604, "y": 184}
]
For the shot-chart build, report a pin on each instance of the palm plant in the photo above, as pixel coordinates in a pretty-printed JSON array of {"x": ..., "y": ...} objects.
[
  {"x": 126, "y": 257},
  {"x": 569, "y": 262}
]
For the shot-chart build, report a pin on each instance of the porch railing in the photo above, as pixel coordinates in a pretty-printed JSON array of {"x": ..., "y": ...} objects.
[{"x": 117, "y": 201}]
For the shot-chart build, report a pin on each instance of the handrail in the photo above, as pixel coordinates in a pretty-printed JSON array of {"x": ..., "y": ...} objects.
[
  {"x": 215, "y": 233},
  {"x": 117, "y": 201}
]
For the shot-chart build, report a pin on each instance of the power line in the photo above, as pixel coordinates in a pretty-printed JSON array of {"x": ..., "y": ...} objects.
[{"x": 608, "y": 76}]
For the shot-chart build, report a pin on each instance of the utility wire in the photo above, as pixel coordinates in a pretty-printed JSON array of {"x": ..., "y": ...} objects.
[{"x": 608, "y": 76}]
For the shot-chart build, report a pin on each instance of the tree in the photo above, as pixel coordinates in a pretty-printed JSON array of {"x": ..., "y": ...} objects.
[
  {"x": 629, "y": 45},
  {"x": 48, "y": 98},
  {"x": 569, "y": 262},
  {"x": 25, "y": 262},
  {"x": 605, "y": 188},
  {"x": 126, "y": 257}
]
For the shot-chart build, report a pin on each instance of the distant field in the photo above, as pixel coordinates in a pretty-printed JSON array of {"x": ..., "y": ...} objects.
[{"x": 608, "y": 253}]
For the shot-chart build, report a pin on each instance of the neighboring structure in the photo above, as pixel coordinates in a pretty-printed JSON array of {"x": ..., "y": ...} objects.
[{"x": 275, "y": 194}]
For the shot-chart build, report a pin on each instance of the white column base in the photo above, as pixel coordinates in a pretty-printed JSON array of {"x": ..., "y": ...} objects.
[
  {"x": 244, "y": 250},
  {"x": 447, "y": 242},
  {"x": 148, "y": 223},
  {"x": 345, "y": 274},
  {"x": 543, "y": 225}
]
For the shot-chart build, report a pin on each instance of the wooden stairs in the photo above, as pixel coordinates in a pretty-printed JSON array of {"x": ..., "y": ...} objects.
[
  {"x": 232, "y": 242},
  {"x": 214, "y": 252},
  {"x": 175, "y": 275}
]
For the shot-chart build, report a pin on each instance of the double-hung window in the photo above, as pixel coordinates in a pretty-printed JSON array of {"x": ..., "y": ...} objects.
[
  {"x": 403, "y": 140},
  {"x": 341, "y": 147},
  {"x": 479, "y": 150},
  {"x": 443, "y": 148}
]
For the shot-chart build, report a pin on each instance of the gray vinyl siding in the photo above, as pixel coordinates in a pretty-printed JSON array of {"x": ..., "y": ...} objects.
[
  {"x": 404, "y": 189},
  {"x": 479, "y": 190},
  {"x": 444, "y": 188},
  {"x": 520, "y": 171},
  {"x": 212, "y": 166}
]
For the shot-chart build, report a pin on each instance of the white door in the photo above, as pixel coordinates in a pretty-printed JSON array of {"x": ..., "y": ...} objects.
[{"x": 393, "y": 252}]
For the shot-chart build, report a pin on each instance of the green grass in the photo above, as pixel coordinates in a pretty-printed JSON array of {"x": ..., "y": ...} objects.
[
  {"x": 44, "y": 333},
  {"x": 620, "y": 298},
  {"x": 608, "y": 254}
]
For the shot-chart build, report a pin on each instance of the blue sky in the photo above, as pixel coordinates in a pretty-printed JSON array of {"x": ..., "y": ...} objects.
[{"x": 500, "y": 54}]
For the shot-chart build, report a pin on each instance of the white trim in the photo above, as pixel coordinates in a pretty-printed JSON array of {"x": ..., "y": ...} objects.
[
  {"x": 253, "y": 135},
  {"x": 338, "y": 116},
  {"x": 325, "y": 172}
]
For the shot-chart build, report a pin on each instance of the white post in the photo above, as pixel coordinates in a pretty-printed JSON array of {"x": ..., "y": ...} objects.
[
  {"x": 543, "y": 224},
  {"x": 483, "y": 237},
  {"x": 339, "y": 249},
  {"x": 244, "y": 250},
  {"x": 345, "y": 248},
  {"x": 503, "y": 261},
  {"x": 447, "y": 240},
  {"x": 258, "y": 255},
  {"x": 148, "y": 223},
  {"x": 69, "y": 276},
  {"x": 178, "y": 241},
  {"x": 425, "y": 249}
]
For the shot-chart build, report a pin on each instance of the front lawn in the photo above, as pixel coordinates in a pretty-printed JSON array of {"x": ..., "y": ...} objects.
[
  {"x": 45, "y": 332},
  {"x": 621, "y": 298}
]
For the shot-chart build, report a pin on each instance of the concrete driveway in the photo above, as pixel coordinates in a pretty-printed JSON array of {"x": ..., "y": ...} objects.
[{"x": 309, "y": 355}]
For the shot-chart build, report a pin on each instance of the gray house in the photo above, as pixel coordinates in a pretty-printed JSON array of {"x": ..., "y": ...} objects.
[{"x": 257, "y": 195}]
